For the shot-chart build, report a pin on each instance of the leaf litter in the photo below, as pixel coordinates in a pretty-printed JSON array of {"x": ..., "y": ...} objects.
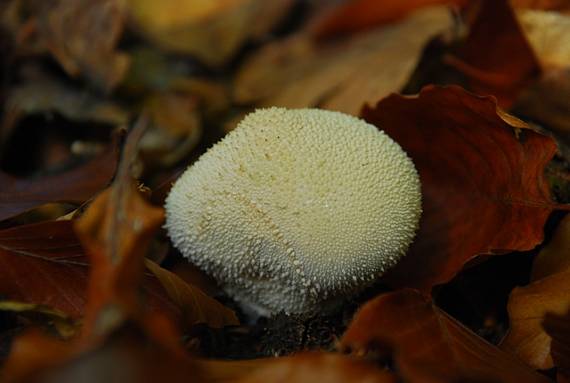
[{"x": 474, "y": 91}]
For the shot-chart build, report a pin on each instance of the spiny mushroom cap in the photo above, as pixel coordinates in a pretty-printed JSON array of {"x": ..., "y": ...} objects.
[{"x": 295, "y": 207}]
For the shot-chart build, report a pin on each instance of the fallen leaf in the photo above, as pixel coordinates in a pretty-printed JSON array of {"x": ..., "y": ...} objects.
[
  {"x": 358, "y": 15},
  {"x": 553, "y": 257},
  {"x": 44, "y": 264},
  {"x": 549, "y": 36},
  {"x": 77, "y": 185},
  {"x": 429, "y": 345},
  {"x": 549, "y": 293},
  {"x": 196, "y": 306},
  {"x": 82, "y": 35},
  {"x": 311, "y": 367},
  {"x": 560, "y": 5},
  {"x": 128, "y": 355},
  {"x": 176, "y": 128},
  {"x": 211, "y": 31},
  {"x": 41, "y": 315},
  {"x": 558, "y": 328},
  {"x": 545, "y": 101},
  {"x": 341, "y": 75},
  {"x": 115, "y": 231},
  {"x": 483, "y": 188},
  {"x": 506, "y": 66}
]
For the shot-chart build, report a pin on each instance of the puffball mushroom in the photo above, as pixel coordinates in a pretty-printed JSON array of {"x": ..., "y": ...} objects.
[{"x": 296, "y": 208}]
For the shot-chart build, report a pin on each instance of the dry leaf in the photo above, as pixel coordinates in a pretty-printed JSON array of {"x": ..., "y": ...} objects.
[
  {"x": 341, "y": 75},
  {"x": 311, "y": 367},
  {"x": 196, "y": 306},
  {"x": 504, "y": 67},
  {"x": 211, "y": 31},
  {"x": 558, "y": 328},
  {"x": 18, "y": 195},
  {"x": 548, "y": 293},
  {"x": 427, "y": 345},
  {"x": 358, "y": 15},
  {"x": 44, "y": 264},
  {"x": 482, "y": 180},
  {"x": 82, "y": 35},
  {"x": 549, "y": 36},
  {"x": 176, "y": 128}
]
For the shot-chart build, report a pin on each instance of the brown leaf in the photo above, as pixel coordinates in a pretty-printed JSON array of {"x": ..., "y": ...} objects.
[
  {"x": 358, "y": 15},
  {"x": 342, "y": 75},
  {"x": 128, "y": 355},
  {"x": 176, "y": 128},
  {"x": 74, "y": 186},
  {"x": 196, "y": 306},
  {"x": 428, "y": 345},
  {"x": 545, "y": 101},
  {"x": 44, "y": 263},
  {"x": 482, "y": 180},
  {"x": 211, "y": 31},
  {"x": 501, "y": 68},
  {"x": 82, "y": 35},
  {"x": 115, "y": 231},
  {"x": 548, "y": 293},
  {"x": 311, "y": 367},
  {"x": 549, "y": 36},
  {"x": 558, "y": 328}
]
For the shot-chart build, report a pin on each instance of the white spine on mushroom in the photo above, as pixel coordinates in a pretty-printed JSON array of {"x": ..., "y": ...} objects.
[{"x": 295, "y": 207}]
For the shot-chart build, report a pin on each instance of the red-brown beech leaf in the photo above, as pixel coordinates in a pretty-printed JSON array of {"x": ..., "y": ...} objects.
[
  {"x": 322, "y": 367},
  {"x": 74, "y": 186},
  {"x": 482, "y": 179},
  {"x": 549, "y": 293},
  {"x": 428, "y": 345},
  {"x": 44, "y": 263},
  {"x": 196, "y": 306},
  {"x": 496, "y": 56}
]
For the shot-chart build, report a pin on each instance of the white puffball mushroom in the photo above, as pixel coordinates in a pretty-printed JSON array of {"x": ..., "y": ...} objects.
[{"x": 295, "y": 208}]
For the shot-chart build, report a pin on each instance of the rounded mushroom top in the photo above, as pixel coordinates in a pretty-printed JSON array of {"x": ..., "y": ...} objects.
[{"x": 296, "y": 207}]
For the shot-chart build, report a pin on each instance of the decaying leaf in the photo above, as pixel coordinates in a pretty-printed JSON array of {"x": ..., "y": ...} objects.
[
  {"x": 82, "y": 35},
  {"x": 176, "y": 128},
  {"x": 427, "y": 345},
  {"x": 506, "y": 66},
  {"x": 545, "y": 101},
  {"x": 196, "y": 306},
  {"x": 558, "y": 328},
  {"x": 310, "y": 367},
  {"x": 341, "y": 75},
  {"x": 549, "y": 37},
  {"x": 549, "y": 293},
  {"x": 482, "y": 180},
  {"x": 211, "y": 31},
  {"x": 44, "y": 264},
  {"x": 77, "y": 185},
  {"x": 128, "y": 355},
  {"x": 357, "y": 15}
]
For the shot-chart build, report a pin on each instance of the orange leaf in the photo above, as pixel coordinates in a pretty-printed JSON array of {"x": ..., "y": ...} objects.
[
  {"x": 311, "y": 367},
  {"x": 482, "y": 180},
  {"x": 428, "y": 345},
  {"x": 549, "y": 293},
  {"x": 340, "y": 75},
  {"x": 196, "y": 306}
]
